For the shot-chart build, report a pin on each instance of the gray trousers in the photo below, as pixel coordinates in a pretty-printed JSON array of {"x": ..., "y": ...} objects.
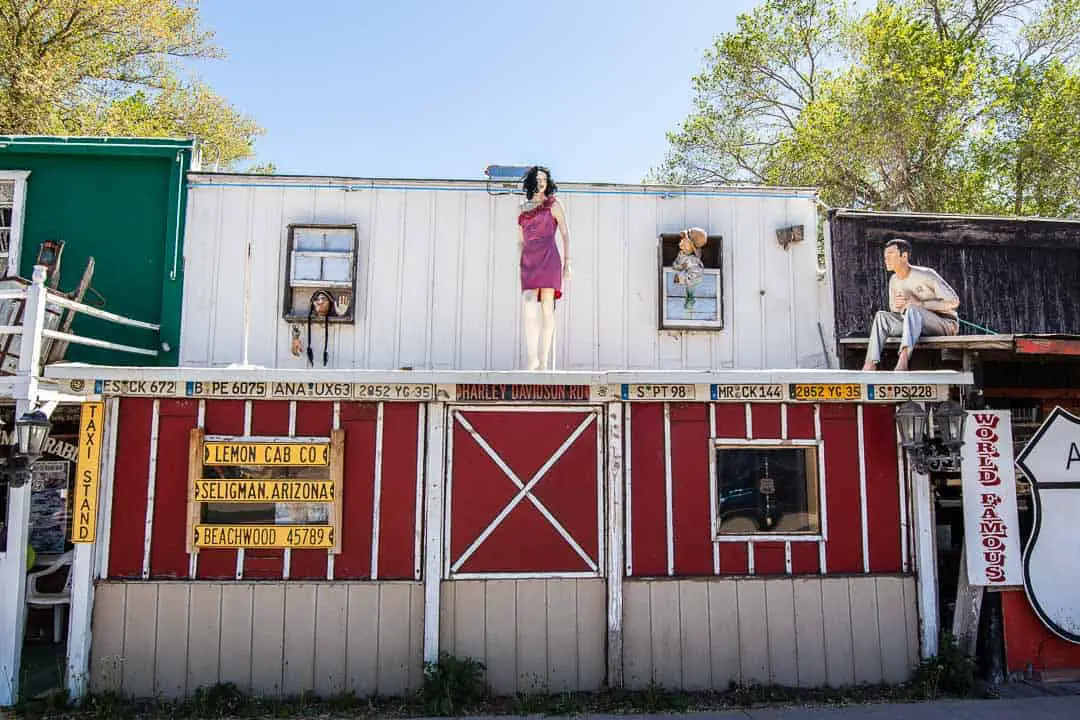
[{"x": 909, "y": 326}]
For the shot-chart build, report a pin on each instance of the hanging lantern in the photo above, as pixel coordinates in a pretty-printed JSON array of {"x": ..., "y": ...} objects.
[{"x": 911, "y": 421}]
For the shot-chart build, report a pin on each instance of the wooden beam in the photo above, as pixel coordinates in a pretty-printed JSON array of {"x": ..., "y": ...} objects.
[
  {"x": 959, "y": 342},
  {"x": 1036, "y": 393},
  {"x": 965, "y": 627},
  {"x": 1047, "y": 346}
]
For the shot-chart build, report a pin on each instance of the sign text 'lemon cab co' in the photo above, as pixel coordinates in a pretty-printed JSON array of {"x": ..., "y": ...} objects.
[{"x": 1051, "y": 461}]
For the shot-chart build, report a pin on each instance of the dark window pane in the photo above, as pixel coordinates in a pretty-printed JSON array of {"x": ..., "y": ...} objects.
[
  {"x": 766, "y": 490},
  {"x": 265, "y": 513}
]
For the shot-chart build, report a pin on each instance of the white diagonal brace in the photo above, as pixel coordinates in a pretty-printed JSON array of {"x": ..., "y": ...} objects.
[{"x": 524, "y": 490}]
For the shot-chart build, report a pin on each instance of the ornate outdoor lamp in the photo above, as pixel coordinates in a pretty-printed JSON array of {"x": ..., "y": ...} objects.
[
  {"x": 931, "y": 436},
  {"x": 949, "y": 425},
  {"x": 31, "y": 433}
]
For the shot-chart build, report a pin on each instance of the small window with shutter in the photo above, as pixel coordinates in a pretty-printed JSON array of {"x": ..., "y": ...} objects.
[
  {"x": 12, "y": 201},
  {"x": 321, "y": 259}
]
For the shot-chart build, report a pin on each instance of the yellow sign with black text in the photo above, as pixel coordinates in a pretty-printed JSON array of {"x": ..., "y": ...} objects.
[
  {"x": 87, "y": 474},
  {"x": 263, "y": 491},
  {"x": 825, "y": 392},
  {"x": 264, "y": 536},
  {"x": 255, "y": 453}
]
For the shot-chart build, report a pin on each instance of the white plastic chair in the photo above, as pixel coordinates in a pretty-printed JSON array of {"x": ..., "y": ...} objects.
[{"x": 58, "y": 601}]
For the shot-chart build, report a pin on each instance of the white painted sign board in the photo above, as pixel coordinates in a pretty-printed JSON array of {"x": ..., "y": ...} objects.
[
  {"x": 991, "y": 526},
  {"x": 1051, "y": 460}
]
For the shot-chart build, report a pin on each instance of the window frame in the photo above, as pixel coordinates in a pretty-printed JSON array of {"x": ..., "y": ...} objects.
[
  {"x": 817, "y": 468},
  {"x": 290, "y": 287},
  {"x": 18, "y": 214},
  {"x": 714, "y": 246}
]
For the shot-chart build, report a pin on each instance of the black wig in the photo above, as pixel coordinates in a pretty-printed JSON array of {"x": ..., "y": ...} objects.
[
  {"x": 529, "y": 184},
  {"x": 326, "y": 326}
]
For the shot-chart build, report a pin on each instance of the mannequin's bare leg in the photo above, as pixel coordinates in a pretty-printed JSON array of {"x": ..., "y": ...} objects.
[
  {"x": 902, "y": 360},
  {"x": 532, "y": 329},
  {"x": 547, "y": 325}
]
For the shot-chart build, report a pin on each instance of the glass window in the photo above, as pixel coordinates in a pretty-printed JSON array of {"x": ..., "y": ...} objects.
[
  {"x": 252, "y": 511},
  {"x": 7, "y": 215},
  {"x": 321, "y": 259},
  {"x": 763, "y": 490},
  {"x": 323, "y": 256},
  {"x": 691, "y": 298}
]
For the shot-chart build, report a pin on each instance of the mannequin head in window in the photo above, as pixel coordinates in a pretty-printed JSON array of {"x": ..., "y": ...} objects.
[{"x": 321, "y": 303}]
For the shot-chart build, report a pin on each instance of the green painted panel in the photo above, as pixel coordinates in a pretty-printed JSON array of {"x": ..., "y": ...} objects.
[{"x": 120, "y": 208}]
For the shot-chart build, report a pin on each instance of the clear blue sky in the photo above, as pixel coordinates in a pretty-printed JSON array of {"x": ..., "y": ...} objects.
[{"x": 442, "y": 88}]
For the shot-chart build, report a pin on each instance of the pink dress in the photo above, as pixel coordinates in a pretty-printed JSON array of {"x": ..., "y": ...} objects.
[{"x": 541, "y": 266}]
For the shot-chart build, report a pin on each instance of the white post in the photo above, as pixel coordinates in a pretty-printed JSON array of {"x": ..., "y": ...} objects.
[
  {"x": 434, "y": 484},
  {"x": 615, "y": 567},
  {"x": 13, "y": 562},
  {"x": 83, "y": 568},
  {"x": 922, "y": 498}
]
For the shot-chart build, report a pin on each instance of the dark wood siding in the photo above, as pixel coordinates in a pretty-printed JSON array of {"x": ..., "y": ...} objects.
[{"x": 1012, "y": 276}]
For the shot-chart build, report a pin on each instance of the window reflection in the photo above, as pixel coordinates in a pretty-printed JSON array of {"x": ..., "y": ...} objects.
[{"x": 767, "y": 490}]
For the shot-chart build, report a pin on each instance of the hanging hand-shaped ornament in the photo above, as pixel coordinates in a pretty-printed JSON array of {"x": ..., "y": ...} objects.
[
  {"x": 341, "y": 305},
  {"x": 322, "y": 304}
]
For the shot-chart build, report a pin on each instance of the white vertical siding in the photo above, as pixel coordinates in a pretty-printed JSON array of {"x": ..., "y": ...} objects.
[
  {"x": 703, "y": 634},
  {"x": 533, "y": 635},
  {"x": 437, "y": 277},
  {"x": 169, "y": 639}
]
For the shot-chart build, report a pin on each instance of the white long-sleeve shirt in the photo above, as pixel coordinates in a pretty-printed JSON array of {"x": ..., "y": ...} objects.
[{"x": 928, "y": 288}]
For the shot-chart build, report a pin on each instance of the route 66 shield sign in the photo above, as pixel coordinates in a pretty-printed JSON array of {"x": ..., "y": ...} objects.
[{"x": 1051, "y": 461}]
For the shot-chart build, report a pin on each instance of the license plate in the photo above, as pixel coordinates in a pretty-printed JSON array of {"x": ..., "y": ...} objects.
[
  {"x": 659, "y": 392},
  {"x": 904, "y": 392},
  {"x": 394, "y": 391},
  {"x": 823, "y": 392}
]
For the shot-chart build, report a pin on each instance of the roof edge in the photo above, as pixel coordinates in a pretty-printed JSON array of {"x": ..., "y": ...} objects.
[
  {"x": 231, "y": 179},
  {"x": 852, "y": 212}
]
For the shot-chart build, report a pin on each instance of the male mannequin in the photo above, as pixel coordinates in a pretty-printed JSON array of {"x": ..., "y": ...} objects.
[{"x": 920, "y": 303}]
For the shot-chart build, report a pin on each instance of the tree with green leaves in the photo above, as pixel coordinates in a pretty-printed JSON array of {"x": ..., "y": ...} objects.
[
  {"x": 114, "y": 67},
  {"x": 927, "y": 105}
]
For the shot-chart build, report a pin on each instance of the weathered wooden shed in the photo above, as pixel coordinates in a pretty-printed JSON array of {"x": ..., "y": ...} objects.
[
  {"x": 691, "y": 504},
  {"x": 1019, "y": 285}
]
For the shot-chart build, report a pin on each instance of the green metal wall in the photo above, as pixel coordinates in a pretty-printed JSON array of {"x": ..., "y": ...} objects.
[{"x": 122, "y": 202}]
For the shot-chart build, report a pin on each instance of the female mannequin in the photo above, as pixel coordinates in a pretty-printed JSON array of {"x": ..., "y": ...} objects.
[{"x": 542, "y": 269}]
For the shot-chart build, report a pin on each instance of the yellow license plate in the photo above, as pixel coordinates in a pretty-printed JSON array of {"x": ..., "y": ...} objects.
[{"x": 823, "y": 392}]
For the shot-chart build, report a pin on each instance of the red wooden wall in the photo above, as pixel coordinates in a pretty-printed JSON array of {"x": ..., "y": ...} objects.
[
  {"x": 1028, "y": 643},
  {"x": 694, "y": 552},
  {"x": 396, "y": 557}
]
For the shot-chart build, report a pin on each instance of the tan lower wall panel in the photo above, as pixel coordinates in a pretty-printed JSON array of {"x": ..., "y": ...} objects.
[
  {"x": 785, "y": 631},
  {"x": 107, "y": 631},
  {"x": 171, "y": 638},
  {"x": 541, "y": 634}
]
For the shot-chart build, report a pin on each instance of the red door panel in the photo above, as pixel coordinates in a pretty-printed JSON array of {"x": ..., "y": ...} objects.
[{"x": 524, "y": 491}]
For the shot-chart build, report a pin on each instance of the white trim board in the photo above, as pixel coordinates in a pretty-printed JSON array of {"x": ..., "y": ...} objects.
[{"x": 82, "y": 371}]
